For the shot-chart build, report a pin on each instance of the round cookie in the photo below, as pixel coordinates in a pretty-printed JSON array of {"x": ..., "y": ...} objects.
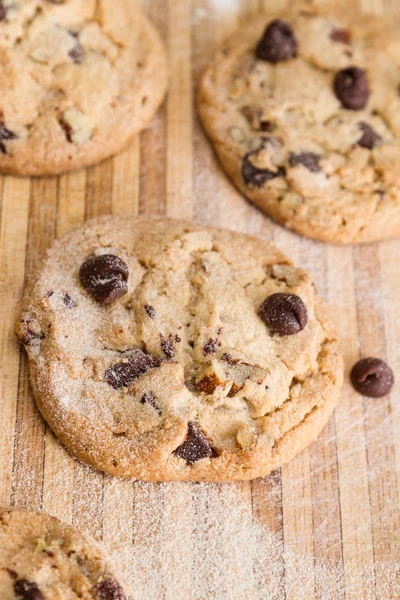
[
  {"x": 160, "y": 350},
  {"x": 303, "y": 111},
  {"x": 43, "y": 559},
  {"x": 78, "y": 79}
]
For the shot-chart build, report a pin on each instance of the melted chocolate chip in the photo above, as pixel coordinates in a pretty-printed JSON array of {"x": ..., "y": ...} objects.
[
  {"x": 310, "y": 160},
  {"x": 278, "y": 42},
  {"x": 210, "y": 347},
  {"x": 5, "y": 135},
  {"x": 104, "y": 277},
  {"x": 372, "y": 377},
  {"x": 342, "y": 36},
  {"x": 148, "y": 398},
  {"x": 196, "y": 445},
  {"x": 150, "y": 311},
  {"x": 369, "y": 136},
  {"x": 352, "y": 88},
  {"x": 109, "y": 590},
  {"x": 254, "y": 175},
  {"x": 168, "y": 348},
  {"x": 123, "y": 373},
  {"x": 285, "y": 314},
  {"x": 27, "y": 590}
]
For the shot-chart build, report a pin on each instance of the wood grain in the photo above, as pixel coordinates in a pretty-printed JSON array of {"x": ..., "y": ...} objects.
[{"x": 337, "y": 503}]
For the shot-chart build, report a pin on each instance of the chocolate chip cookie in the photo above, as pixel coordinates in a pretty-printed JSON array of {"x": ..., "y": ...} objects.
[
  {"x": 161, "y": 350},
  {"x": 78, "y": 79},
  {"x": 43, "y": 559},
  {"x": 303, "y": 110}
]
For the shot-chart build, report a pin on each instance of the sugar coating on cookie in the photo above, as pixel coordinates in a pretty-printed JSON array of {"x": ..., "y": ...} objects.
[
  {"x": 78, "y": 80},
  {"x": 303, "y": 111},
  {"x": 161, "y": 350},
  {"x": 43, "y": 559}
]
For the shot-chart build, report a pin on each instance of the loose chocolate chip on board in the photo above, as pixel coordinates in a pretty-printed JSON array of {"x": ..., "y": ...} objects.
[
  {"x": 104, "y": 277},
  {"x": 109, "y": 590},
  {"x": 5, "y": 135},
  {"x": 123, "y": 373},
  {"x": 310, "y": 160},
  {"x": 196, "y": 445},
  {"x": 285, "y": 314},
  {"x": 254, "y": 175},
  {"x": 352, "y": 88},
  {"x": 278, "y": 42},
  {"x": 369, "y": 136},
  {"x": 27, "y": 590},
  {"x": 342, "y": 36},
  {"x": 372, "y": 377}
]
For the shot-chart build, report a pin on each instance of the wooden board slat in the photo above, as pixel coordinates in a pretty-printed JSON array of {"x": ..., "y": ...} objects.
[{"x": 324, "y": 527}]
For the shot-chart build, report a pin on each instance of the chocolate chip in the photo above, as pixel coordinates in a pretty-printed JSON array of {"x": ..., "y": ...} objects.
[
  {"x": 352, "y": 88},
  {"x": 123, "y": 373},
  {"x": 150, "y": 311},
  {"x": 5, "y": 135},
  {"x": 13, "y": 574},
  {"x": 109, "y": 590},
  {"x": 27, "y": 590},
  {"x": 310, "y": 160},
  {"x": 278, "y": 42},
  {"x": 369, "y": 136},
  {"x": 168, "y": 348},
  {"x": 76, "y": 54},
  {"x": 208, "y": 384},
  {"x": 210, "y": 347},
  {"x": 196, "y": 445},
  {"x": 27, "y": 332},
  {"x": 3, "y": 11},
  {"x": 255, "y": 176},
  {"x": 104, "y": 277},
  {"x": 267, "y": 126},
  {"x": 342, "y": 36},
  {"x": 148, "y": 398},
  {"x": 285, "y": 314},
  {"x": 228, "y": 358},
  {"x": 69, "y": 303},
  {"x": 372, "y": 377}
]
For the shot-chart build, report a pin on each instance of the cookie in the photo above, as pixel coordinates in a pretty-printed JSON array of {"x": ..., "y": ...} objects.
[
  {"x": 43, "y": 559},
  {"x": 160, "y": 350},
  {"x": 303, "y": 110},
  {"x": 78, "y": 79}
]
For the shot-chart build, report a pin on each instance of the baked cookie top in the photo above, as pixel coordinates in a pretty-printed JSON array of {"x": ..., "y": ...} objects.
[
  {"x": 161, "y": 350},
  {"x": 78, "y": 79},
  {"x": 303, "y": 109},
  {"x": 43, "y": 559}
]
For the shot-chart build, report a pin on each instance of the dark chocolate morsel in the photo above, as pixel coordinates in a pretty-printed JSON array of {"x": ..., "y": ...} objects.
[
  {"x": 104, "y": 277},
  {"x": 352, "y": 88},
  {"x": 372, "y": 377},
  {"x": 285, "y": 314},
  {"x": 27, "y": 590},
  {"x": 150, "y": 311},
  {"x": 210, "y": 347},
  {"x": 5, "y": 136},
  {"x": 123, "y": 373},
  {"x": 310, "y": 160},
  {"x": 369, "y": 137},
  {"x": 196, "y": 445},
  {"x": 343, "y": 36},
  {"x": 254, "y": 175},
  {"x": 109, "y": 590},
  {"x": 277, "y": 43}
]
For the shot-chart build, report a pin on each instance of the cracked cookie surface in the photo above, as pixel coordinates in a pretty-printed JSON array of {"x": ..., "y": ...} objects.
[
  {"x": 161, "y": 350},
  {"x": 304, "y": 117},
  {"x": 78, "y": 79},
  {"x": 43, "y": 559}
]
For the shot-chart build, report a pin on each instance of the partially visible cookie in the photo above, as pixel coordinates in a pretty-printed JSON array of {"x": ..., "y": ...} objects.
[
  {"x": 43, "y": 559},
  {"x": 78, "y": 79},
  {"x": 303, "y": 110},
  {"x": 161, "y": 350}
]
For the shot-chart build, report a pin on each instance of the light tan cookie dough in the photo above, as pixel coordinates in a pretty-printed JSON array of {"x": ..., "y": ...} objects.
[
  {"x": 43, "y": 559},
  {"x": 291, "y": 143},
  {"x": 78, "y": 79},
  {"x": 157, "y": 351}
]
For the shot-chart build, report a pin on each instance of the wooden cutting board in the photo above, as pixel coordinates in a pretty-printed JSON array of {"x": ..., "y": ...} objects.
[{"x": 325, "y": 526}]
